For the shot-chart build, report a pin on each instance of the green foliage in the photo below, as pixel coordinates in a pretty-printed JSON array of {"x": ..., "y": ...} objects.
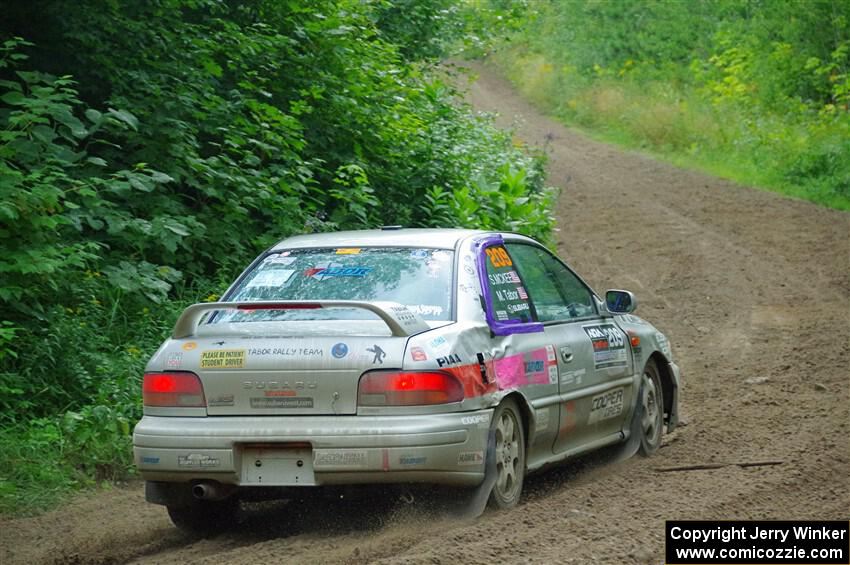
[
  {"x": 756, "y": 91},
  {"x": 149, "y": 150}
]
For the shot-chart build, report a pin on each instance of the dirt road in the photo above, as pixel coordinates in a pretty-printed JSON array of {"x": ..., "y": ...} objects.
[{"x": 752, "y": 289}]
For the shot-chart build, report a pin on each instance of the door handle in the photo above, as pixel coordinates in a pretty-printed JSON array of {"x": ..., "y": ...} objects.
[{"x": 566, "y": 354}]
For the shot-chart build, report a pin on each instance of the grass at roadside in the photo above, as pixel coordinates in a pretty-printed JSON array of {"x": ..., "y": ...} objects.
[{"x": 797, "y": 157}]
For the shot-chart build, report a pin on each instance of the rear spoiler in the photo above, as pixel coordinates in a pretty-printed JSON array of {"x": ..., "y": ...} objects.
[{"x": 399, "y": 318}]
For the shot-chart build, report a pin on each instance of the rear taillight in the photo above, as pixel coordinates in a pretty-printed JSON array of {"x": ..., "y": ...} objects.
[
  {"x": 178, "y": 388},
  {"x": 408, "y": 388}
]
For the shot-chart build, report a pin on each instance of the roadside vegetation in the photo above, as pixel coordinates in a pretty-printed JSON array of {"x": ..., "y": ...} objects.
[
  {"x": 758, "y": 92},
  {"x": 149, "y": 150}
]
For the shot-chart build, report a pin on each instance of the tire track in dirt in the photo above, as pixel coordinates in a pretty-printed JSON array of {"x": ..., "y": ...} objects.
[{"x": 746, "y": 283}]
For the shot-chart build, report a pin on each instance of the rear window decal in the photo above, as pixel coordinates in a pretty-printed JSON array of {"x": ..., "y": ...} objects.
[
  {"x": 271, "y": 277},
  {"x": 322, "y": 273},
  {"x": 279, "y": 260}
]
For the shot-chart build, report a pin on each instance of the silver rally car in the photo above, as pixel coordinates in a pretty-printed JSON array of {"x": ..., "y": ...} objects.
[{"x": 395, "y": 356}]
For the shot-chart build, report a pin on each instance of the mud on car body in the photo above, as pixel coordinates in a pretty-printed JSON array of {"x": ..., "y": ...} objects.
[{"x": 395, "y": 356}]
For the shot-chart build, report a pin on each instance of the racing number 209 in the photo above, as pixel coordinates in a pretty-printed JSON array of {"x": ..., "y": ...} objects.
[{"x": 498, "y": 256}]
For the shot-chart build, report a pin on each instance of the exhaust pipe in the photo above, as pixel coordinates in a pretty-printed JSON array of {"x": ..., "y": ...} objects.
[{"x": 211, "y": 490}]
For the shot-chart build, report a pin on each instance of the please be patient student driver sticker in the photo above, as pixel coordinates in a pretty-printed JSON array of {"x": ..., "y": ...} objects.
[{"x": 223, "y": 359}]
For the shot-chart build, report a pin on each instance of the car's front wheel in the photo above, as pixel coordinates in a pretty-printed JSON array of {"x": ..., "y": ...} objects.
[
  {"x": 509, "y": 454},
  {"x": 205, "y": 517},
  {"x": 651, "y": 410}
]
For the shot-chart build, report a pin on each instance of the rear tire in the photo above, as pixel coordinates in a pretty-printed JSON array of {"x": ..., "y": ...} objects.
[
  {"x": 205, "y": 518},
  {"x": 510, "y": 455},
  {"x": 651, "y": 406}
]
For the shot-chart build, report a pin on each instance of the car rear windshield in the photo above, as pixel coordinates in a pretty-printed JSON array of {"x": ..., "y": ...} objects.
[{"x": 419, "y": 278}]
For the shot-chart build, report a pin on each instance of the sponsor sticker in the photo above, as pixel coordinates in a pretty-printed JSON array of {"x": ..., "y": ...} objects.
[
  {"x": 467, "y": 458},
  {"x": 339, "y": 350},
  {"x": 477, "y": 419},
  {"x": 348, "y": 251},
  {"x": 279, "y": 260},
  {"x": 352, "y": 458},
  {"x": 288, "y": 351},
  {"x": 174, "y": 360},
  {"x": 197, "y": 460},
  {"x": 570, "y": 377},
  {"x": 223, "y": 359},
  {"x": 663, "y": 344},
  {"x": 408, "y": 460},
  {"x": 418, "y": 354},
  {"x": 322, "y": 273},
  {"x": 282, "y": 402},
  {"x": 150, "y": 460},
  {"x": 379, "y": 354},
  {"x": 279, "y": 385},
  {"x": 271, "y": 278},
  {"x": 438, "y": 342},
  {"x": 606, "y": 405},
  {"x": 452, "y": 359},
  {"x": 190, "y": 345},
  {"x": 553, "y": 374},
  {"x": 542, "y": 420},
  {"x": 632, "y": 319},
  {"x": 609, "y": 345},
  {"x": 529, "y": 368},
  {"x": 426, "y": 309},
  {"x": 222, "y": 400}
]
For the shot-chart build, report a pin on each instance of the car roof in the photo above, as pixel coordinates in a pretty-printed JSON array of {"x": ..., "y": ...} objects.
[{"x": 396, "y": 237}]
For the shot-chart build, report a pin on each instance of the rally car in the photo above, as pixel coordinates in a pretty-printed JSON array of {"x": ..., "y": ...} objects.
[{"x": 395, "y": 356}]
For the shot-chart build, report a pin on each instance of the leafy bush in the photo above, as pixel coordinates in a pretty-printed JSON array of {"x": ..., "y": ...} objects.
[
  {"x": 754, "y": 91},
  {"x": 149, "y": 150}
]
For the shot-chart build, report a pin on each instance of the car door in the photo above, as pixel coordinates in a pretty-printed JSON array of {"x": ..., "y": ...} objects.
[
  {"x": 592, "y": 352},
  {"x": 524, "y": 352}
]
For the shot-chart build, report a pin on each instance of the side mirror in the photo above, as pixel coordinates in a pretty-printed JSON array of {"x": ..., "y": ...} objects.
[{"x": 620, "y": 301}]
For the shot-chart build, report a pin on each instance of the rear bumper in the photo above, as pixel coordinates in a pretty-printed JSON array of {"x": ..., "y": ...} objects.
[{"x": 441, "y": 448}]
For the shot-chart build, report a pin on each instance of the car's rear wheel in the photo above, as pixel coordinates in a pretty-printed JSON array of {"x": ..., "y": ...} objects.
[
  {"x": 509, "y": 438},
  {"x": 651, "y": 406},
  {"x": 205, "y": 517}
]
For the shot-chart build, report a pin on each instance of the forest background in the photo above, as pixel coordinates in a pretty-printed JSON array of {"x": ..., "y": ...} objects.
[{"x": 150, "y": 150}]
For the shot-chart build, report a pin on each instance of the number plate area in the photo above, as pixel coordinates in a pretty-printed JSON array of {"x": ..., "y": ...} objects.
[{"x": 277, "y": 466}]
